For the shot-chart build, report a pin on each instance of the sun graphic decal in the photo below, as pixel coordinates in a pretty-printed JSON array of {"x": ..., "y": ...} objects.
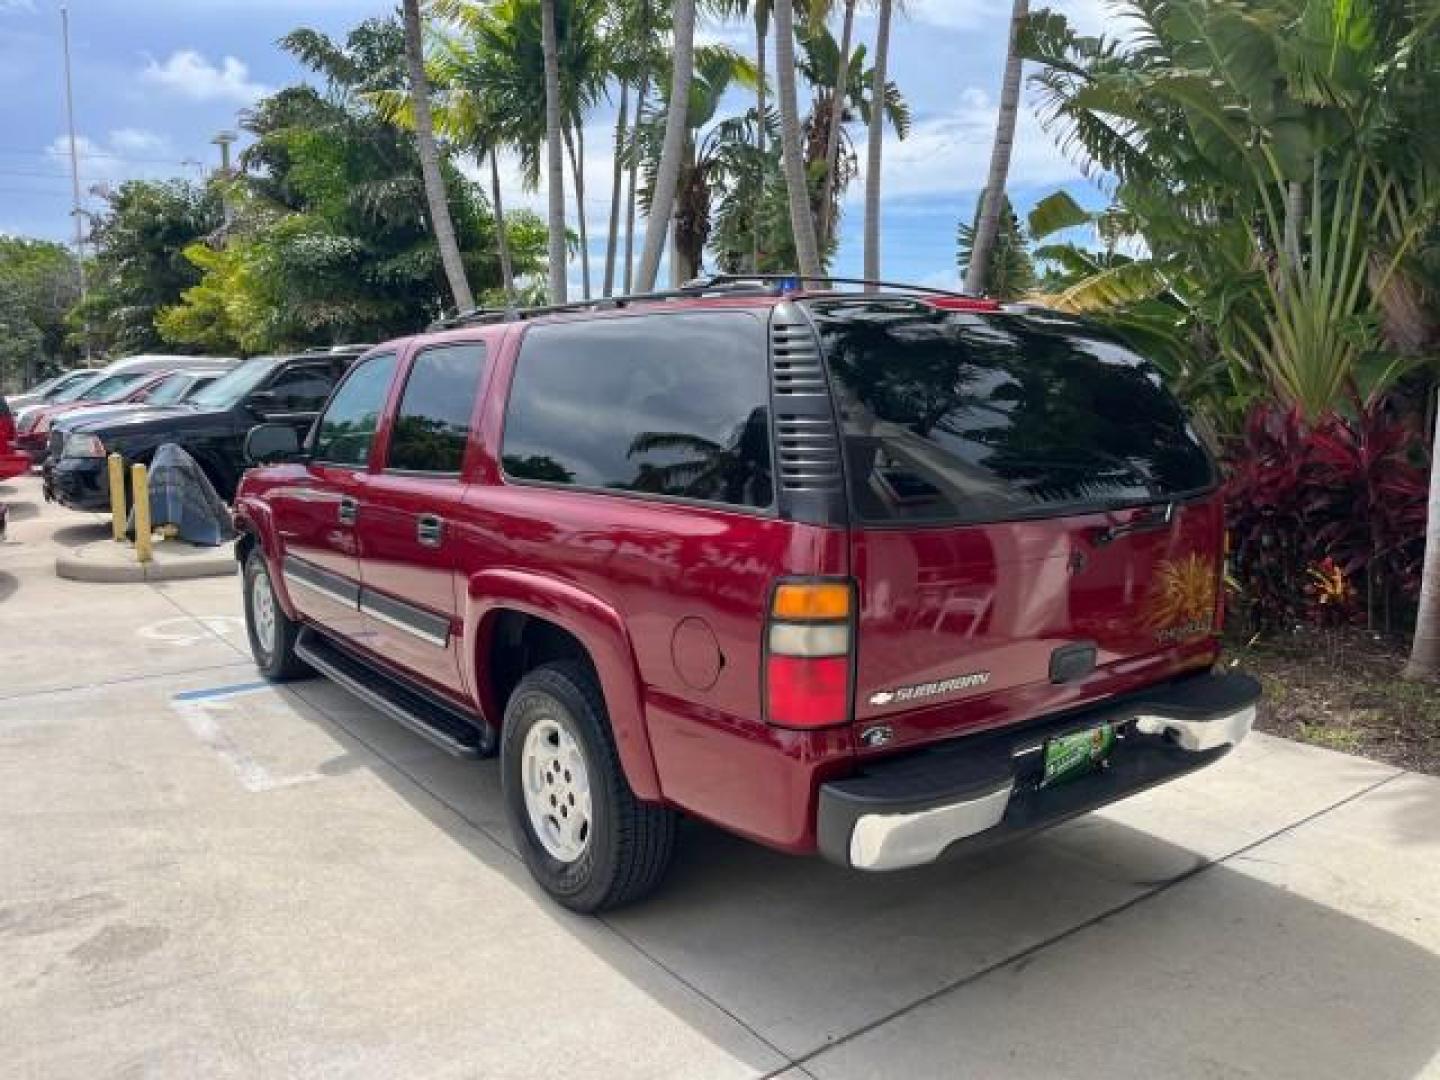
[{"x": 1181, "y": 603}]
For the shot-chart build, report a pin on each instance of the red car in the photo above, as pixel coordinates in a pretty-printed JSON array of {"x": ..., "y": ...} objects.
[
  {"x": 882, "y": 575},
  {"x": 13, "y": 462},
  {"x": 33, "y": 434}
]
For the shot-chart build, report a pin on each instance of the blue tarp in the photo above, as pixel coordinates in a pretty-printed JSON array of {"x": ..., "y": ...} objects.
[{"x": 182, "y": 495}]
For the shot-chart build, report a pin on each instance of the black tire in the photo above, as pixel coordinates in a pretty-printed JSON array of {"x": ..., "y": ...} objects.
[
  {"x": 630, "y": 843},
  {"x": 277, "y": 661}
]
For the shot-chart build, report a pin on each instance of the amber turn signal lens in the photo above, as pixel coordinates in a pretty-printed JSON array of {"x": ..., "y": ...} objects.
[{"x": 827, "y": 600}]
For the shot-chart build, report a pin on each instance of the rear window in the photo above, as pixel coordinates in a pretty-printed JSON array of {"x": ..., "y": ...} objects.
[
  {"x": 951, "y": 416},
  {"x": 674, "y": 405}
]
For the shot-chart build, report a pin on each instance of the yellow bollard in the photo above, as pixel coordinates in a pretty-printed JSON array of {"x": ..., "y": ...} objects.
[
  {"x": 117, "y": 497},
  {"x": 140, "y": 491}
]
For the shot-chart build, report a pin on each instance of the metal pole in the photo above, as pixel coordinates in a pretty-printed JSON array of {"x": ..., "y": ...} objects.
[
  {"x": 223, "y": 140},
  {"x": 74, "y": 169}
]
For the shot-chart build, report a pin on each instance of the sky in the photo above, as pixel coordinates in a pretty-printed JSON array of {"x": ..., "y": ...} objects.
[{"x": 156, "y": 80}]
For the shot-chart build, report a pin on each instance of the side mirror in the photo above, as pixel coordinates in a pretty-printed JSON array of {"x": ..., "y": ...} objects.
[{"x": 269, "y": 443}]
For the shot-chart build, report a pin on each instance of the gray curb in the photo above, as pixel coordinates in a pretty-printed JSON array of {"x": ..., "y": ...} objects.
[{"x": 107, "y": 561}]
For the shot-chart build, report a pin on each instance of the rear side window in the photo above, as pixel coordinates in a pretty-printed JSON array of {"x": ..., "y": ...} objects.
[
  {"x": 432, "y": 423},
  {"x": 302, "y": 389},
  {"x": 675, "y": 405},
  {"x": 344, "y": 434},
  {"x": 956, "y": 417}
]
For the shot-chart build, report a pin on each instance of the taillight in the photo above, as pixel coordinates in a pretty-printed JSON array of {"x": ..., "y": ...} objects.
[{"x": 809, "y": 638}]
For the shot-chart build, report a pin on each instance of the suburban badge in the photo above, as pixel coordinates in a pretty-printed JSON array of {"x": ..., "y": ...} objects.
[{"x": 930, "y": 689}]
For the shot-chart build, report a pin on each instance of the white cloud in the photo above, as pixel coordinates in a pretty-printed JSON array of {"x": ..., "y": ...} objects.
[
  {"x": 16, "y": 7},
  {"x": 949, "y": 154},
  {"x": 138, "y": 141},
  {"x": 191, "y": 75}
]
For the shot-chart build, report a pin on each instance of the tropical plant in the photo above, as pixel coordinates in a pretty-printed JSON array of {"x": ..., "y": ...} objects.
[
  {"x": 713, "y": 154},
  {"x": 1011, "y": 271},
  {"x": 41, "y": 286},
  {"x": 1424, "y": 660},
  {"x": 554, "y": 161},
  {"x": 797, "y": 184},
  {"x": 667, "y": 175},
  {"x": 994, "y": 205},
  {"x": 1347, "y": 488},
  {"x": 435, "y": 195},
  {"x": 875, "y": 144}
]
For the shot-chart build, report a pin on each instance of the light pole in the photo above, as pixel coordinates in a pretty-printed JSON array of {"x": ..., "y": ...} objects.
[
  {"x": 223, "y": 140},
  {"x": 75, "y": 210}
]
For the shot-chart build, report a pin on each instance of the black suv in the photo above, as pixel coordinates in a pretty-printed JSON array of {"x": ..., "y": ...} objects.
[{"x": 211, "y": 426}]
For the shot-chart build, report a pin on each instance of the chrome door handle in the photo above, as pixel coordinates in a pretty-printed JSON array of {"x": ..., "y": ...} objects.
[
  {"x": 349, "y": 508},
  {"x": 430, "y": 530}
]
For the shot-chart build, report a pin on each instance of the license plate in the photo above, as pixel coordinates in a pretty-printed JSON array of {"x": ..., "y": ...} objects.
[{"x": 1076, "y": 754}]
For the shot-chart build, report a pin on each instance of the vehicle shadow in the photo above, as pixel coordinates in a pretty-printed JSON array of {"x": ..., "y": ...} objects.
[
  {"x": 9, "y": 584},
  {"x": 22, "y": 511},
  {"x": 86, "y": 532},
  {"x": 1094, "y": 949}
]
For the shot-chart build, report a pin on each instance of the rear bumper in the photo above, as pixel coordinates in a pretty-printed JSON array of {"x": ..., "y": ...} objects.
[{"x": 911, "y": 810}]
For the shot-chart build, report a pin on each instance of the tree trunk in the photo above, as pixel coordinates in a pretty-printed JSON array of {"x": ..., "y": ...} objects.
[
  {"x": 502, "y": 239},
  {"x": 577, "y": 158},
  {"x": 630, "y": 184},
  {"x": 837, "y": 117},
  {"x": 612, "y": 238},
  {"x": 762, "y": 31},
  {"x": 876, "y": 146},
  {"x": 554, "y": 153},
  {"x": 992, "y": 199},
  {"x": 1425, "y": 652},
  {"x": 435, "y": 195},
  {"x": 662, "y": 202},
  {"x": 1294, "y": 220},
  {"x": 802, "y": 221}
]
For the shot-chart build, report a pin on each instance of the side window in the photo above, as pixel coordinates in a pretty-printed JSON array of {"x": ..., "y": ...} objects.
[
  {"x": 301, "y": 389},
  {"x": 674, "y": 404},
  {"x": 344, "y": 434},
  {"x": 433, "y": 420}
]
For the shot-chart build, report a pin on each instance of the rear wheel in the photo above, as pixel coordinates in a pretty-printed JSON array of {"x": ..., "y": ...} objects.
[
  {"x": 272, "y": 633},
  {"x": 588, "y": 841}
]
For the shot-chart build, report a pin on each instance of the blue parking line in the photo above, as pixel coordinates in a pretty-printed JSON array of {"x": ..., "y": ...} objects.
[{"x": 220, "y": 691}]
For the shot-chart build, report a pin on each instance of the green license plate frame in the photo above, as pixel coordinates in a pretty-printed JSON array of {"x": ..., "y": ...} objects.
[{"x": 1077, "y": 753}]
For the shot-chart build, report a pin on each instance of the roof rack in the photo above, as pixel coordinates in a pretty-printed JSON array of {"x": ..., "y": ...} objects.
[{"x": 711, "y": 285}]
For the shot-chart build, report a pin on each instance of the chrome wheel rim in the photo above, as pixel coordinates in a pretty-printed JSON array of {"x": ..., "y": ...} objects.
[
  {"x": 262, "y": 609},
  {"x": 557, "y": 790}
]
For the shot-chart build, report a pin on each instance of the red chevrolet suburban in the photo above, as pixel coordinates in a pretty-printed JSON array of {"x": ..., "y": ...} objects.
[{"x": 882, "y": 574}]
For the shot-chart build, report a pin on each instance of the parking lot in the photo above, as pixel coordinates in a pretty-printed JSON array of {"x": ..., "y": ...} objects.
[{"x": 207, "y": 876}]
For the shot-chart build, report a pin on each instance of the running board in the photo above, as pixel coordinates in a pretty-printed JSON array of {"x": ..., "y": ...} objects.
[{"x": 422, "y": 713}]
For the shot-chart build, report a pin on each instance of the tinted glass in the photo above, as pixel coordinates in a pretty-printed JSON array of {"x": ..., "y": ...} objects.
[
  {"x": 302, "y": 389},
  {"x": 108, "y": 388},
  {"x": 344, "y": 434},
  {"x": 75, "y": 389},
  {"x": 234, "y": 384},
  {"x": 666, "y": 404},
  {"x": 433, "y": 420},
  {"x": 953, "y": 416},
  {"x": 170, "y": 390}
]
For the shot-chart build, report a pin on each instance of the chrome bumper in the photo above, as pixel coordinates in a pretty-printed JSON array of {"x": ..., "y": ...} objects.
[{"x": 857, "y": 829}]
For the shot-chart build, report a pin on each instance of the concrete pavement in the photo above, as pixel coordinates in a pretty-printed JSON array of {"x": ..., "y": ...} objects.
[{"x": 207, "y": 876}]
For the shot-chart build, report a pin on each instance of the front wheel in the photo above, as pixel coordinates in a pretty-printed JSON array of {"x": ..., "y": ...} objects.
[
  {"x": 588, "y": 841},
  {"x": 272, "y": 633}
]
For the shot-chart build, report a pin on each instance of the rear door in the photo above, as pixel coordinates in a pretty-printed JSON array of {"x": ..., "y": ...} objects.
[
  {"x": 1035, "y": 526},
  {"x": 317, "y": 514},
  {"x": 409, "y": 507}
]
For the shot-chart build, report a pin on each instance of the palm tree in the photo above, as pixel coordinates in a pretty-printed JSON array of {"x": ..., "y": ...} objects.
[
  {"x": 668, "y": 175},
  {"x": 440, "y": 221},
  {"x": 713, "y": 154},
  {"x": 876, "y": 146},
  {"x": 1425, "y": 650},
  {"x": 837, "y": 114},
  {"x": 1424, "y": 653},
  {"x": 992, "y": 199},
  {"x": 802, "y": 221},
  {"x": 554, "y": 153}
]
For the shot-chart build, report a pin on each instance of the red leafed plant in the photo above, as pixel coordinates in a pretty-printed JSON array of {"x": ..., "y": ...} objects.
[{"x": 1350, "y": 489}]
